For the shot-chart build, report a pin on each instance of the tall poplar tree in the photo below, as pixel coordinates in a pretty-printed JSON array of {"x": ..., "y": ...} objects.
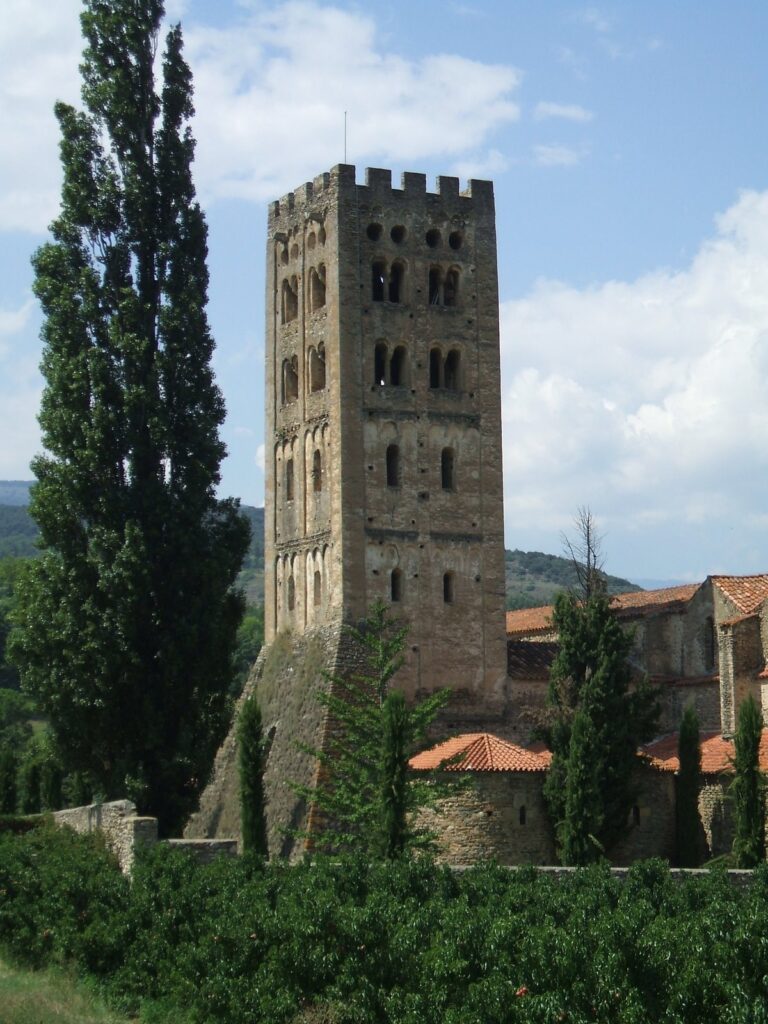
[
  {"x": 128, "y": 620},
  {"x": 687, "y": 821}
]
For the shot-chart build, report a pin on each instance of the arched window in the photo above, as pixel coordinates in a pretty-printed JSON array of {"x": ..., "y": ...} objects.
[
  {"x": 435, "y": 282},
  {"x": 378, "y": 279},
  {"x": 290, "y": 380},
  {"x": 396, "y": 277},
  {"x": 317, "y": 471},
  {"x": 291, "y": 594},
  {"x": 316, "y": 362},
  {"x": 521, "y": 814},
  {"x": 452, "y": 367},
  {"x": 397, "y": 367},
  {"x": 447, "y": 465},
  {"x": 451, "y": 288},
  {"x": 317, "y": 287},
  {"x": 435, "y": 366},
  {"x": 396, "y": 585},
  {"x": 448, "y": 588},
  {"x": 380, "y": 364},
  {"x": 318, "y": 588},
  {"x": 289, "y": 479},
  {"x": 709, "y": 643},
  {"x": 290, "y": 300},
  {"x": 393, "y": 466}
]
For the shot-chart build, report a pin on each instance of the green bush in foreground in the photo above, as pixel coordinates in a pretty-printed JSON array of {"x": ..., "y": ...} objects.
[{"x": 349, "y": 942}]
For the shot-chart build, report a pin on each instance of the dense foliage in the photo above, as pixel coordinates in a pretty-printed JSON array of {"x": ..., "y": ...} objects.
[
  {"x": 748, "y": 787},
  {"x": 688, "y": 829},
  {"x": 350, "y": 942},
  {"x": 589, "y": 788},
  {"x": 128, "y": 618},
  {"x": 361, "y": 793}
]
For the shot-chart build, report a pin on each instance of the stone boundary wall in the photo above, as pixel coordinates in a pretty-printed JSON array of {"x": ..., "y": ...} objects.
[{"x": 124, "y": 832}]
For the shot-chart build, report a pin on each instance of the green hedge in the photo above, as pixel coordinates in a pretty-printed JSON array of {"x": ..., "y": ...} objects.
[{"x": 238, "y": 942}]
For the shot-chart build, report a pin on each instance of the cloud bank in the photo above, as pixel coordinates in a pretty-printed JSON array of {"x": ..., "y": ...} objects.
[{"x": 644, "y": 399}]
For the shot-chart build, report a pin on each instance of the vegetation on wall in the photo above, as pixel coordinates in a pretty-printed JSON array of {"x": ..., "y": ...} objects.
[{"x": 127, "y": 620}]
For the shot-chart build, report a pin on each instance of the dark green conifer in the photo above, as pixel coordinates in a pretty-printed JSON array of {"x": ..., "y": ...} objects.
[
  {"x": 687, "y": 821},
  {"x": 394, "y": 775},
  {"x": 128, "y": 619},
  {"x": 748, "y": 788},
  {"x": 250, "y": 755}
]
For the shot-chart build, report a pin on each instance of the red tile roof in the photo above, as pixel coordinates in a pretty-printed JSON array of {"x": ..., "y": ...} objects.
[
  {"x": 479, "y": 752},
  {"x": 534, "y": 620},
  {"x": 716, "y": 753},
  {"x": 746, "y": 592}
]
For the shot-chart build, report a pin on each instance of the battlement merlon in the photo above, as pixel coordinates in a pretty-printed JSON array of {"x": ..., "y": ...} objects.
[{"x": 378, "y": 180}]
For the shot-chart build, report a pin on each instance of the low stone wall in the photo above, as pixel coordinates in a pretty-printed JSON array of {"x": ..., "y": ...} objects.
[{"x": 123, "y": 830}]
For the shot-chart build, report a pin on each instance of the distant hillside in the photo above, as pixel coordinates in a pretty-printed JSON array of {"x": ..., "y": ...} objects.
[
  {"x": 15, "y": 492},
  {"x": 533, "y": 578}
]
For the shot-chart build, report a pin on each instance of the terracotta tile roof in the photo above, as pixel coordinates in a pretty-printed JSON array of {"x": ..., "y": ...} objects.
[
  {"x": 530, "y": 659},
  {"x": 530, "y": 620},
  {"x": 716, "y": 753},
  {"x": 525, "y": 621},
  {"x": 479, "y": 752},
  {"x": 764, "y": 673},
  {"x": 746, "y": 592}
]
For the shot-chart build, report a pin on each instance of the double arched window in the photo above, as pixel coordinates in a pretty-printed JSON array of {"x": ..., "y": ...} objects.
[
  {"x": 443, "y": 286},
  {"x": 290, "y": 381},
  {"x": 289, "y": 300},
  {"x": 390, "y": 368},
  {"x": 445, "y": 371},
  {"x": 317, "y": 287},
  {"x": 316, "y": 368},
  {"x": 387, "y": 281}
]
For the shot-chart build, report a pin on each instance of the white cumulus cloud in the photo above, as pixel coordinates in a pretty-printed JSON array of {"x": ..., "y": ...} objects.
[
  {"x": 645, "y": 399},
  {"x": 565, "y": 111}
]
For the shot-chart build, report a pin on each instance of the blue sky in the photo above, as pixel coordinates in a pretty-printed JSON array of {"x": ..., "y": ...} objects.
[{"x": 627, "y": 143}]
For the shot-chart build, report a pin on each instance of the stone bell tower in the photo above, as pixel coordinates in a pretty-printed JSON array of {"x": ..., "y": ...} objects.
[{"x": 384, "y": 462}]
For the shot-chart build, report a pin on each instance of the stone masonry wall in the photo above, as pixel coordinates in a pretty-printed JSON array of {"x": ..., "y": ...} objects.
[{"x": 122, "y": 829}]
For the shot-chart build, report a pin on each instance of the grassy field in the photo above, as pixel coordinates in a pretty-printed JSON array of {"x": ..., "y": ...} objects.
[{"x": 47, "y": 997}]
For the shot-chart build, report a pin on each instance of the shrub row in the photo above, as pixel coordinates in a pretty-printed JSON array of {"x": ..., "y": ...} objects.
[{"x": 412, "y": 943}]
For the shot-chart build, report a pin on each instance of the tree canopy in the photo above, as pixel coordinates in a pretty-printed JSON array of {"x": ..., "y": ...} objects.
[{"x": 127, "y": 620}]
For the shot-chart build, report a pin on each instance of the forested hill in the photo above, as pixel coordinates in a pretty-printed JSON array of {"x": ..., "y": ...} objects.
[{"x": 534, "y": 578}]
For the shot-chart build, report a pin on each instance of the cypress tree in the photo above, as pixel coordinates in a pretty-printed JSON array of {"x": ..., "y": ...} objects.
[
  {"x": 687, "y": 822},
  {"x": 748, "y": 788},
  {"x": 582, "y": 816},
  {"x": 250, "y": 755},
  {"x": 591, "y": 674},
  {"x": 128, "y": 619},
  {"x": 394, "y": 775}
]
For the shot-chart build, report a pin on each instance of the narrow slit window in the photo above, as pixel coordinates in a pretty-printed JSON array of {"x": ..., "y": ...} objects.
[
  {"x": 289, "y": 480},
  {"x": 396, "y": 585},
  {"x": 435, "y": 365},
  {"x": 451, "y": 288},
  {"x": 448, "y": 588},
  {"x": 522, "y": 815},
  {"x": 452, "y": 367},
  {"x": 635, "y": 815},
  {"x": 380, "y": 365},
  {"x": 397, "y": 375},
  {"x": 317, "y": 471},
  {"x": 318, "y": 588},
  {"x": 378, "y": 278},
  {"x": 291, "y": 594},
  {"x": 396, "y": 276},
  {"x": 447, "y": 467},
  {"x": 393, "y": 466},
  {"x": 434, "y": 286}
]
